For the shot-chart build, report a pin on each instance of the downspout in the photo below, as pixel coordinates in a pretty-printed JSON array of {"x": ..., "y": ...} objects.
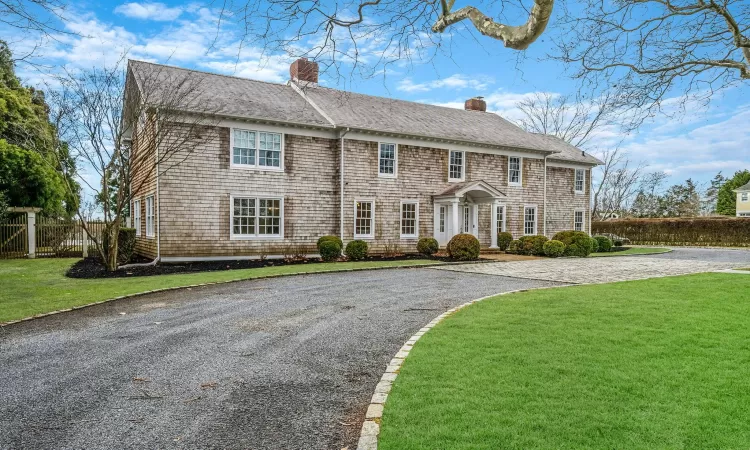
[
  {"x": 544, "y": 202},
  {"x": 341, "y": 185}
]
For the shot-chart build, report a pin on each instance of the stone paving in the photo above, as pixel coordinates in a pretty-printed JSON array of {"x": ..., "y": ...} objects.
[{"x": 595, "y": 270}]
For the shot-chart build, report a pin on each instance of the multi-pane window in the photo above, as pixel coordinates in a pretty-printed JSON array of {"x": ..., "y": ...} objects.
[
  {"x": 387, "y": 160},
  {"x": 256, "y": 149},
  {"x": 744, "y": 196},
  {"x": 500, "y": 224},
  {"x": 256, "y": 217},
  {"x": 137, "y": 217},
  {"x": 514, "y": 170},
  {"x": 529, "y": 220},
  {"x": 580, "y": 181},
  {"x": 363, "y": 218},
  {"x": 467, "y": 220},
  {"x": 456, "y": 165},
  {"x": 150, "y": 216},
  {"x": 243, "y": 151},
  {"x": 442, "y": 219},
  {"x": 269, "y": 154},
  {"x": 409, "y": 219},
  {"x": 578, "y": 220}
]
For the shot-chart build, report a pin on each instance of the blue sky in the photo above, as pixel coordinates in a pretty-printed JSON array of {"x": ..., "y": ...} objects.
[{"x": 697, "y": 144}]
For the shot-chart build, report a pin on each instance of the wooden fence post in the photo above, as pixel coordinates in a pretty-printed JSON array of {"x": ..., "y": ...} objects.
[
  {"x": 31, "y": 232},
  {"x": 85, "y": 240}
]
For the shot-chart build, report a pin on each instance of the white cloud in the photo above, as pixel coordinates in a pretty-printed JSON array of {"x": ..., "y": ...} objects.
[
  {"x": 149, "y": 11},
  {"x": 454, "y": 82}
]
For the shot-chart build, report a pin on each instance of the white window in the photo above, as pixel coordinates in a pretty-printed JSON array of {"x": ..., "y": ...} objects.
[
  {"x": 580, "y": 181},
  {"x": 150, "y": 216},
  {"x": 529, "y": 220},
  {"x": 409, "y": 219},
  {"x": 256, "y": 149},
  {"x": 578, "y": 220},
  {"x": 256, "y": 217},
  {"x": 137, "y": 217},
  {"x": 442, "y": 219},
  {"x": 387, "y": 160},
  {"x": 364, "y": 219},
  {"x": 744, "y": 196},
  {"x": 467, "y": 220},
  {"x": 500, "y": 225},
  {"x": 456, "y": 165},
  {"x": 514, "y": 171}
]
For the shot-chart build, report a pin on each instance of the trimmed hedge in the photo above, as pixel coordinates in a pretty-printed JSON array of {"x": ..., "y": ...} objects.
[
  {"x": 532, "y": 245},
  {"x": 464, "y": 247},
  {"x": 503, "y": 240},
  {"x": 427, "y": 246},
  {"x": 577, "y": 243},
  {"x": 554, "y": 249},
  {"x": 594, "y": 246},
  {"x": 604, "y": 244},
  {"x": 356, "y": 250},
  {"x": 335, "y": 239},
  {"x": 719, "y": 231},
  {"x": 514, "y": 247},
  {"x": 329, "y": 250}
]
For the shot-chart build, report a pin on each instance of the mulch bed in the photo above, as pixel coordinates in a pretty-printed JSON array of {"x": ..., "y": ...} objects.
[{"x": 93, "y": 267}]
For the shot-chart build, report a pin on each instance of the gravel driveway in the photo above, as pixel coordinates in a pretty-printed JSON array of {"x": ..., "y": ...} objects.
[
  {"x": 279, "y": 363},
  {"x": 681, "y": 261}
]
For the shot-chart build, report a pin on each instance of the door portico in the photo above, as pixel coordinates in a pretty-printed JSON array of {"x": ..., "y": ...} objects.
[{"x": 457, "y": 209}]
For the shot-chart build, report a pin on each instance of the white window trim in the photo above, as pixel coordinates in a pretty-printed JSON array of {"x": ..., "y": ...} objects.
[
  {"x": 520, "y": 171},
  {"x": 536, "y": 219},
  {"x": 575, "y": 178},
  {"x": 463, "y": 166},
  {"x": 583, "y": 218},
  {"x": 395, "y": 161},
  {"x": 137, "y": 217},
  {"x": 372, "y": 219},
  {"x": 152, "y": 233},
  {"x": 416, "y": 221},
  {"x": 505, "y": 213},
  {"x": 256, "y": 236},
  {"x": 255, "y": 166},
  {"x": 744, "y": 197}
]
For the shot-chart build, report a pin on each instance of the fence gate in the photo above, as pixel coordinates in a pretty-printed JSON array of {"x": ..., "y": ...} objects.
[{"x": 14, "y": 237}]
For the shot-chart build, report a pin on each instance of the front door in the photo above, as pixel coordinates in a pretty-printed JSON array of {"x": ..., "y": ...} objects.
[{"x": 467, "y": 222}]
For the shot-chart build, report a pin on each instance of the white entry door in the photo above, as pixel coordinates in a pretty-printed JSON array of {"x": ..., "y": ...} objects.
[{"x": 467, "y": 222}]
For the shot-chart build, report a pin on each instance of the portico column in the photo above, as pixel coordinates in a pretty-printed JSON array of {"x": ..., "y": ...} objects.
[
  {"x": 455, "y": 230},
  {"x": 493, "y": 226}
]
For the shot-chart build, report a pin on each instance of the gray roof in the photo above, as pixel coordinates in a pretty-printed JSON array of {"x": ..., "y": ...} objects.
[
  {"x": 745, "y": 188},
  {"x": 259, "y": 100},
  {"x": 238, "y": 97}
]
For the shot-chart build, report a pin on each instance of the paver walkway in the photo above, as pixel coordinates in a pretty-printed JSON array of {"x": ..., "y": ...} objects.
[{"x": 606, "y": 270}]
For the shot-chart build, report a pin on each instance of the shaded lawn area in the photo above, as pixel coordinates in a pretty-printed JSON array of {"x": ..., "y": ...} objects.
[
  {"x": 660, "y": 363},
  {"x": 634, "y": 251},
  {"x": 35, "y": 286}
]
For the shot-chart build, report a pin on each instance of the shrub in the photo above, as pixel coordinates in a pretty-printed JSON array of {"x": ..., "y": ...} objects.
[
  {"x": 594, "y": 245},
  {"x": 464, "y": 247},
  {"x": 617, "y": 243},
  {"x": 356, "y": 250},
  {"x": 335, "y": 239},
  {"x": 577, "y": 243},
  {"x": 503, "y": 240},
  {"x": 125, "y": 245},
  {"x": 554, "y": 248},
  {"x": 533, "y": 245},
  {"x": 427, "y": 246},
  {"x": 514, "y": 247},
  {"x": 330, "y": 250},
  {"x": 605, "y": 244}
]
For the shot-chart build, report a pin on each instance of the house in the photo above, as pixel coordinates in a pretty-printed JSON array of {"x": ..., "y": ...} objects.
[
  {"x": 296, "y": 161},
  {"x": 743, "y": 200}
]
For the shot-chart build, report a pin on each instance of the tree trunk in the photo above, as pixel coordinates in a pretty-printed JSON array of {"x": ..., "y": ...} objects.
[{"x": 111, "y": 250}]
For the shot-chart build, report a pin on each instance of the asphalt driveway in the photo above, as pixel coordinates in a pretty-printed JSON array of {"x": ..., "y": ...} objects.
[{"x": 280, "y": 363}]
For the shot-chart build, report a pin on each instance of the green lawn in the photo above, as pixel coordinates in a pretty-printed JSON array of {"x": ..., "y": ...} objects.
[
  {"x": 34, "y": 286},
  {"x": 660, "y": 363},
  {"x": 634, "y": 251}
]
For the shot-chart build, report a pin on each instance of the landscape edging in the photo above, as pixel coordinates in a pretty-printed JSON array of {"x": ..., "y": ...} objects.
[
  {"x": 368, "y": 437},
  {"x": 211, "y": 283}
]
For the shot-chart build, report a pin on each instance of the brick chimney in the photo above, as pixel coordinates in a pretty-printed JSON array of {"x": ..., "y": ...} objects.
[
  {"x": 475, "y": 104},
  {"x": 304, "y": 70}
]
